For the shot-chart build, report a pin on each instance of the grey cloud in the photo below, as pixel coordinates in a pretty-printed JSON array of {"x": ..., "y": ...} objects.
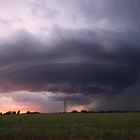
[{"x": 110, "y": 13}]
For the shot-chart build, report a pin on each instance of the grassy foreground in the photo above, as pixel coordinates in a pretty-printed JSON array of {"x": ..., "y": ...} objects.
[{"x": 96, "y": 126}]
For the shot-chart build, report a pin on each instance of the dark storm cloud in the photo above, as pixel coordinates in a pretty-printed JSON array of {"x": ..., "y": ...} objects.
[
  {"x": 77, "y": 62},
  {"x": 98, "y": 56},
  {"x": 129, "y": 100}
]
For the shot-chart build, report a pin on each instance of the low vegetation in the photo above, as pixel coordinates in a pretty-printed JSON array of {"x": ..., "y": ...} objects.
[{"x": 73, "y": 126}]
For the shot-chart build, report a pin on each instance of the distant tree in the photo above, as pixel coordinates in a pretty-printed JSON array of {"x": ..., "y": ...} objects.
[
  {"x": 83, "y": 111},
  {"x": 13, "y": 112},
  {"x": 92, "y": 111},
  {"x": 18, "y": 112},
  {"x": 74, "y": 111},
  {"x": 28, "y": 112},
  {"x": 10, "y": 113},
  {"x": 7, "y": 113},
  {"x": 34, "y": 112},
  {"x": 101, "y": 111}
]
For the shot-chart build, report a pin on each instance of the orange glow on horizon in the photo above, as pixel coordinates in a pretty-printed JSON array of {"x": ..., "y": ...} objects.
[
  {"x": 77, "y": 108},
  {"x": 21, "y": 108},
  {"x": 9, "y": 105}
]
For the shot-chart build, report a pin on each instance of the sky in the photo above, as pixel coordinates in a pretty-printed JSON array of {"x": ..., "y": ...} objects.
[{"x": 86, "y": 52}]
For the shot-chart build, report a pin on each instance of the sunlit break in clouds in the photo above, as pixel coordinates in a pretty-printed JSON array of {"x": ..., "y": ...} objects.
[{"x": 84, "y": 52}]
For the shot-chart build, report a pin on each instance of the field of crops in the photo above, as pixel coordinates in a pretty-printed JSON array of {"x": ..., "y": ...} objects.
[{"x": 78, "y": 126}]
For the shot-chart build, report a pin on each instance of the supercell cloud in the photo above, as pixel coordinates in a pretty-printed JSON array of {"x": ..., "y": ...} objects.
[{"x": 83, "y": 51}]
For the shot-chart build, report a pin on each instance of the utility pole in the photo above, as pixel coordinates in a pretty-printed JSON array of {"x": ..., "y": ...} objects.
[{"x": 65, "y": 106}]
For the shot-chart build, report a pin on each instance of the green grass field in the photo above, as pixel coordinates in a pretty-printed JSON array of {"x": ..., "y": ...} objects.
[{"x": 96, "y": 126}]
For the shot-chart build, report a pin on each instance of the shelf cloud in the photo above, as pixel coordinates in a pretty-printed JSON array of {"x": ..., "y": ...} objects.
[{"x": 87, "y": 48}]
